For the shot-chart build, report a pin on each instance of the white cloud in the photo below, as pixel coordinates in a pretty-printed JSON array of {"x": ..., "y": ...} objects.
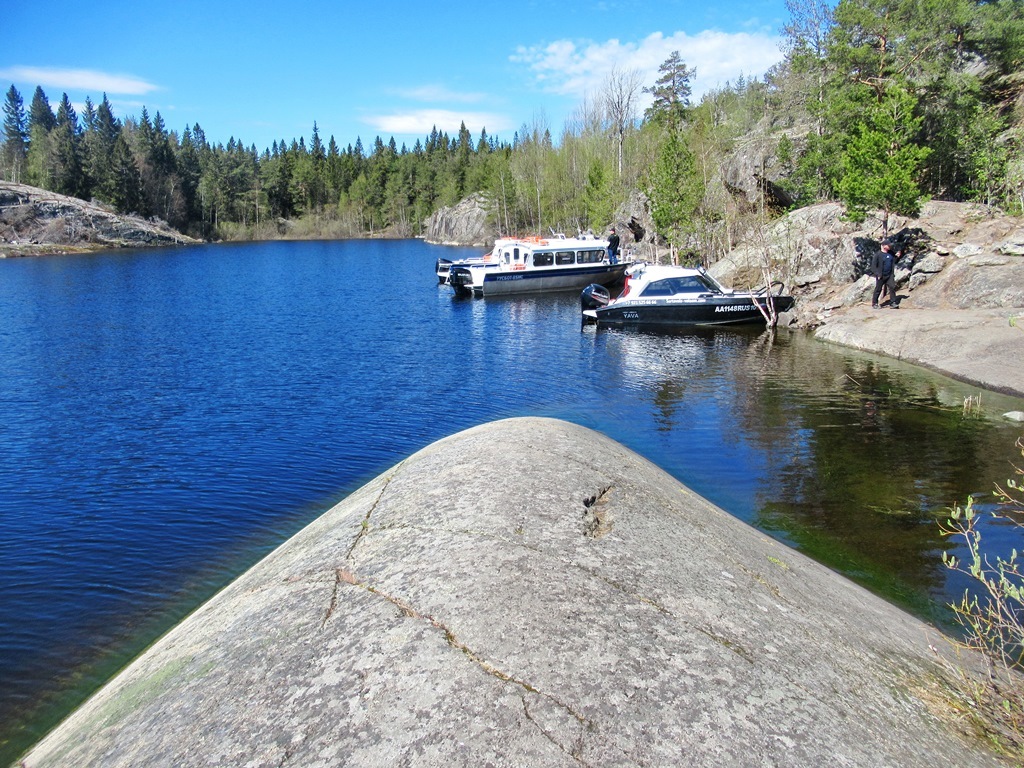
[
  {"x": 78, "y": 80},
  {"x": 581, "y": 68},
  {"x": 421, "y": 121}
]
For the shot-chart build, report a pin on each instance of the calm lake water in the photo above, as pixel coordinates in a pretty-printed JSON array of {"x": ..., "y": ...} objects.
[{"x": 170, "y": 416}]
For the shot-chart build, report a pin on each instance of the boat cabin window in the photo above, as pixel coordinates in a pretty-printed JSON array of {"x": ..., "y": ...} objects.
[
  {"x": 660, "y": 288},
  {"x": 543, "y": 259},
  {"x": 673, "y": 285},
  {"x": 565, "y": 257},
  {"x": 590, "y": 257},
  {"x": 506, "y": 257}
]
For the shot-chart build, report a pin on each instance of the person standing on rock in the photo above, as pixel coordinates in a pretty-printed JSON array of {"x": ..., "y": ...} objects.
[
  {"x": 613, "y": 247},
  {"x": 883, "y": 267}
]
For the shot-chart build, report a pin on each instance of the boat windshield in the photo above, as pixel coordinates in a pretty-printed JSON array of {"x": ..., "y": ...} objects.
[{"x": 670, "y": 286}]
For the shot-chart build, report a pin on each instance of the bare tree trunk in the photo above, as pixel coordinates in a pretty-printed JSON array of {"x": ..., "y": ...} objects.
[{"x": 621, "y": 91}]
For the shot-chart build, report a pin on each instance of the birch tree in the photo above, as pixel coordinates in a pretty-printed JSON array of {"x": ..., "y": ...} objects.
[{"x": 621, "y": 93}]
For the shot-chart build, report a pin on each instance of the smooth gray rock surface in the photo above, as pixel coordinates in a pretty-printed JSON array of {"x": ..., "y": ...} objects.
[
  {"x": 529, "y": 593},
  {"x": 984, "y": 347}
]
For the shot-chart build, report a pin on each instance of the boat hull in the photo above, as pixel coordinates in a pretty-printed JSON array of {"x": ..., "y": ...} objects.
[
  {"x": 674, "y": 314},
  {"x": 502, "y": 282},
  {"x": 442, "y": 267}
]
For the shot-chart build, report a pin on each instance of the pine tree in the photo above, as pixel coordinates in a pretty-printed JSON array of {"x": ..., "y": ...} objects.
[
  {"x": 88, "y": 122},
  {"x": 881, "y": 163},
  {"x": 671, "y": 91},
  {"x": 67, "y": 174},
  {"x": 676, "y": 189},
  {"x": 15, "y": 146},
  {"x": 335, "y": 172},
  {"x": 40, "y": 114},
  {"x": 190, "y": 170},
  {"x": 100, "y": 140},
  {"x": 41, "y": 122},
  {"x": 125, "y": 182},
  {"x": 318, "y": 171}
]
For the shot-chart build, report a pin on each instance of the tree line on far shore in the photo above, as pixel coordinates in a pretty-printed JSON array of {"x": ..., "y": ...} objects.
[{"x": 878, "y": 104}]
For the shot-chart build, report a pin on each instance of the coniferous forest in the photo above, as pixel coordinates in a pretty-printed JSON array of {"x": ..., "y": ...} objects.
[{"x": 879, "y": 104}]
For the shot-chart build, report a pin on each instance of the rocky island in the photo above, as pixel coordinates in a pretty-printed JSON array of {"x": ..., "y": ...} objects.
[{"x": 36, "y": 222}]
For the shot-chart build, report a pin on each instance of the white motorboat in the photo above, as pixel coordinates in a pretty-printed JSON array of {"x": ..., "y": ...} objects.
[
  {"x": 659, "y": 296},
  {"x": 443, "y": 266},
  {"x": 535, "y": 264}
]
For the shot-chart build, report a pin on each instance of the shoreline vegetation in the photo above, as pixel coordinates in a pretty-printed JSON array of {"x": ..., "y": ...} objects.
[{"x": 877, "y": 108}]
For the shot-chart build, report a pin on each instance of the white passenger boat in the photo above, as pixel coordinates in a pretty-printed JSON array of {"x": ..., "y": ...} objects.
[
  {"x": 535, "y": 264},
  {"x": 443, "y": 266},
  {"x": 659, "y": 296}
]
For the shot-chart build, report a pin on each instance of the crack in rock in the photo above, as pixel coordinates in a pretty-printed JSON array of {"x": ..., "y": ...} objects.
[
  {"x": 577, "y": 748},
  {"x": 365, "y": 526},
  {"x": 727, "y": 643},
  {"x": 343, "y": 576},
  {"x": 597, "y": 515}
]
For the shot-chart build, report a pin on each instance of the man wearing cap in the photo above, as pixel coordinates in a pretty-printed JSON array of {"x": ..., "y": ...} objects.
[
  {"x": 883, "y": 267},
  {"x": 613, "y": 247}
]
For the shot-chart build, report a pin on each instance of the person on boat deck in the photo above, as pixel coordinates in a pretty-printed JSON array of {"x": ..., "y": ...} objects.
[
  {"x": 883, "y": 267},
  {"x": 613, "y": 247}
]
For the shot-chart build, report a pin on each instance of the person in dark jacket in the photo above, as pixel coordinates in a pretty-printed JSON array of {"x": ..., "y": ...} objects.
[
  {"x": 883, "y": 267},
  {"x": 613, "y": 247}
]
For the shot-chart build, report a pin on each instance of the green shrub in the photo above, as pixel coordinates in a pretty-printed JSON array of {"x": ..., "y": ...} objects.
[{"x": 993, "y": 619}]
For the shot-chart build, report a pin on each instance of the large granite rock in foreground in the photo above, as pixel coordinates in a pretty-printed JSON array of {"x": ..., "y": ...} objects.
[{"x": 528, "y": 593}]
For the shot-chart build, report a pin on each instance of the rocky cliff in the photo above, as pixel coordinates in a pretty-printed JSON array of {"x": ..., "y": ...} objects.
[
  {"x": 467, "y": 223},
  {"x": 955, "y": 256},
  {"x": 35, "y": 221}
]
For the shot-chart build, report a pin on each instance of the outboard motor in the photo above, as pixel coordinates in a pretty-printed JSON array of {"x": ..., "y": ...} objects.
[
  {"x": 461, "y": 279},
  {"x": 595, "y": 296}
]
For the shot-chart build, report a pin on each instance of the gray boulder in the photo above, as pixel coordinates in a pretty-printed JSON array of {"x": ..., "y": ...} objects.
[
  {"x": 930, "y": 264},
  {"x": 466, "y": 223},
  {"x": 530, "y": 593},
  {"x": 1014, "y": 245}
]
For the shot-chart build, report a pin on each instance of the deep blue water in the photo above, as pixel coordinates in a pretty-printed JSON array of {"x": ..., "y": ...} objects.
[{"x": 169, "y": 416}]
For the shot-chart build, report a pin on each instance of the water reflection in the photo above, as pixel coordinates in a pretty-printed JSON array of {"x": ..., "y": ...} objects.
[{"x": 848, "y": 457}]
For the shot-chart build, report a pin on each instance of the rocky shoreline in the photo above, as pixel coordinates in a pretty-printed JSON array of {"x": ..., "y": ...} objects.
[
  {"x": 35, "y": 222},
  {"x": 960, "y": 284},
  {"x": 960, "y": 287},
  {"x": 981, "y": 347}
]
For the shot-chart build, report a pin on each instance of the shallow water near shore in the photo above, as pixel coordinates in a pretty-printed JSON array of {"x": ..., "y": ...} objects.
[{"x": 170, "y": 416}]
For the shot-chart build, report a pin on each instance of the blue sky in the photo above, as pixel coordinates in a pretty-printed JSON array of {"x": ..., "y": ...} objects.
[{"x": 259, "y": 72}]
